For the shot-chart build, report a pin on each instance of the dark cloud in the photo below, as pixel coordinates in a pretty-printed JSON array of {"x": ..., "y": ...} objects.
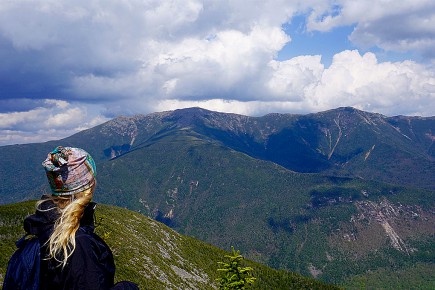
[
  {"x": 399, "y": 32},
  {"x": 399, "y": 26},
  {"x": 20, "y": 105}
]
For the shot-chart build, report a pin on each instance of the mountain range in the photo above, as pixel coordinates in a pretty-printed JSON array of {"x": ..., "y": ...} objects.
[{"x": 342, "y": 195}]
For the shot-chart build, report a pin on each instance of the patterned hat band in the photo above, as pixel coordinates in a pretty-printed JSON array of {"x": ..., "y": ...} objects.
[{"x": 69, "y": 170}]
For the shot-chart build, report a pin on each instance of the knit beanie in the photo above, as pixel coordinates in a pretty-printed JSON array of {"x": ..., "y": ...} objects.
[{"x": 69, "y": 170}]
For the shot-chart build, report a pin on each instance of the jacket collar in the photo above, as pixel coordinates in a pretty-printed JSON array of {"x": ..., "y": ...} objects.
[{"x": 41, "y": 223}]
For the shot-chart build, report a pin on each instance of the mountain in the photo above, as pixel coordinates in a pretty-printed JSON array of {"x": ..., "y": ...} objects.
[
  {"x": 339, "y": 195},
  {"x": 151, "y": 254},
  {"x": 341, "y": 142}
]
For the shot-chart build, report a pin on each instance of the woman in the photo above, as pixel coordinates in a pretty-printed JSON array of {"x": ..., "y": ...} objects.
[{"x": 72, "y": 255}]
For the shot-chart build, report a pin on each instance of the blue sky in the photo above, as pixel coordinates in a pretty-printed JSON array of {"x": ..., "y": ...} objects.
[
  {"x": 326, "y": 44},
  {"x": 70, "y": 65}
]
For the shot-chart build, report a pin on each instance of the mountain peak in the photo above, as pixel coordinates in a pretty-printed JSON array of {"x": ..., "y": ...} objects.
[
  {"x": 349, "y": 111},
  {"x": 186, "y": 117},
  {"x": 194, "y": 110}
]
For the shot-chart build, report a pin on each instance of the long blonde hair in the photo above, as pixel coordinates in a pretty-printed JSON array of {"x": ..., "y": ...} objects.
[{"x": 62, "y": 243}]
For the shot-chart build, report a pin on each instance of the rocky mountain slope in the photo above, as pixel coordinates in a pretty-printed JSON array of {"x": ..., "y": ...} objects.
[
  {"x": 345, "y": 141},
  {"x": 337, "y": 195}
]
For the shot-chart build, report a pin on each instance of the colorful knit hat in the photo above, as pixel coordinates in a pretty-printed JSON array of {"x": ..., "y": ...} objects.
[{"x": 69, "y": 170}]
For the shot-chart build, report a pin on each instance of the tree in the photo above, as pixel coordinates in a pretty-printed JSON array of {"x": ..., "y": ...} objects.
[{"x": 235, "y": 277}]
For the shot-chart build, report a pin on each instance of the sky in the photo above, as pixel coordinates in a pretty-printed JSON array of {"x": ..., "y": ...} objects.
[{"x": 70, "y": 65}]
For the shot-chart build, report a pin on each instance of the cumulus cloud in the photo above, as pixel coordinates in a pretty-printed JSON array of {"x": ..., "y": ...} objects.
[
  {"x": 73, "y": 64},
  {"x": 223, "y": 64},
  {"x": 57, "y": 119},
  {"x": 390, "y": 88},
  {"x": 296, "y": 78},
  {"x": 303, "y": 84}
]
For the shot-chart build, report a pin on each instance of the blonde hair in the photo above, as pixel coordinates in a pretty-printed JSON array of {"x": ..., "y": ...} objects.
[{"x": 62, "y": 243}]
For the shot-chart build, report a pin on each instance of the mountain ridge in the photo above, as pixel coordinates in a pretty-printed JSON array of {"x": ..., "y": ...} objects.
[
  {"x": 317, "y": 137},
  {"x": 297, "y": 192}
]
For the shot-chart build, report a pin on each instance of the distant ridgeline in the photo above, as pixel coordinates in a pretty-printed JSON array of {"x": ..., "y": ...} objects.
[{"x": 345, "y": 196}]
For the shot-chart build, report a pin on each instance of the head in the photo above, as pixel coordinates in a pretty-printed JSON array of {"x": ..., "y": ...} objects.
[
  {"x": 69, "y": 171},
  {"x": 71, "y": 175}
]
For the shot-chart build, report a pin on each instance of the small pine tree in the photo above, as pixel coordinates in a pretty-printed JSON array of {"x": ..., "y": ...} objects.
[{"x": 235, "y": 277}]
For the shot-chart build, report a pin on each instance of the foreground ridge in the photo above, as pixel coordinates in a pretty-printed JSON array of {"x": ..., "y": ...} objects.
[{"x": 153, "y": 255}]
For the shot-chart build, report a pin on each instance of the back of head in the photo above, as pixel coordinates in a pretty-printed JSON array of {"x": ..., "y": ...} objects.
[
  {"x": 69, "y": 170},
  {"x": 71, "y": 175}
]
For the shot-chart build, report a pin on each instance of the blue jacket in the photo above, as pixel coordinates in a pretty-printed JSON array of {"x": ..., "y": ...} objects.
[{"x": 91, "y": 265}]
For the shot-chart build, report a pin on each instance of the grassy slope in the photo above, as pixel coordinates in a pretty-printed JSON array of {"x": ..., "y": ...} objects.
[{"x": 151, "y": 254}]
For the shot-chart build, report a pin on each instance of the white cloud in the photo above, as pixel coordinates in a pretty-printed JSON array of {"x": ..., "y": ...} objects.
[
  {"x": 302, "y": 84},
  {"x": 295, "y": 79},
  {"x": 389, "y": 88},
  {"x": 8, "y": 120},
  {"x": 356, "y": 80},
  {"x": 227, "y": 63},
  {"x": 8, "y": 137},
  {"x": 140, "y": 56},
  {"x": 58, "y": 119},
  {"x": 66, "y": 119},
  {"x": 218, "y": 65},
  {"x": 55, "y": 113},
  {"x": 249, "y": 108}
]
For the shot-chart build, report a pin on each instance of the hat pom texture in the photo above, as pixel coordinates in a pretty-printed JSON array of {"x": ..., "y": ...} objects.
[{"x": 69, "y": 170}]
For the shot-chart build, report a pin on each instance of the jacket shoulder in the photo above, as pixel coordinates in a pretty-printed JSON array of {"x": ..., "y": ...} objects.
[
  {"x": 90, "y": 241},
  {"x": 91, "y": 266}
]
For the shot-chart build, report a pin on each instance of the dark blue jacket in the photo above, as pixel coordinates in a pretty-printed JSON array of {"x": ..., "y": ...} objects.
[{"x": 91, "y": 265}]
